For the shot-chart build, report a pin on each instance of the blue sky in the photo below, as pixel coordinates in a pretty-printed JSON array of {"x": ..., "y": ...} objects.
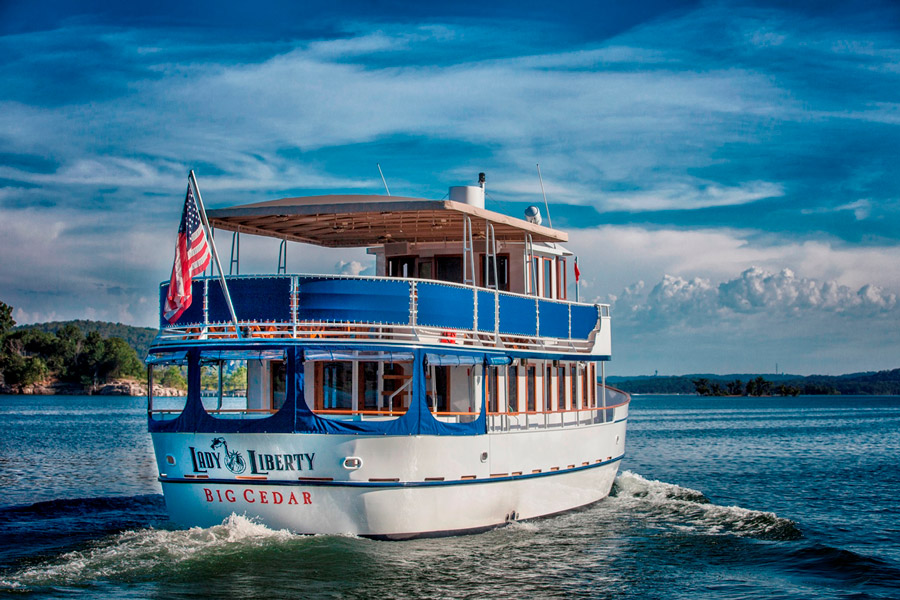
[{"x": 728, "y": 171}]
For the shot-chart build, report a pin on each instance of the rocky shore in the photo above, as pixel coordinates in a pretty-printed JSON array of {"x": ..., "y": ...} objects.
[{"x": 118, "y": 387}]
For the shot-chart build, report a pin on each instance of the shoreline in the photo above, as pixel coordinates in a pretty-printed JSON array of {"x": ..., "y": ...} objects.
[{"x": 118, "y": 387}]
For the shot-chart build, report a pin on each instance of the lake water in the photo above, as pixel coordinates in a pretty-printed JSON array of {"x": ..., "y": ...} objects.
[{"x": 717, "y": 498}]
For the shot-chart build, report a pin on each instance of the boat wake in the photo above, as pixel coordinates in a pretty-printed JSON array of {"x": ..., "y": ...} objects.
[
  {"x": 683, "y": 509},
  {"x": 144, "y": 553}
]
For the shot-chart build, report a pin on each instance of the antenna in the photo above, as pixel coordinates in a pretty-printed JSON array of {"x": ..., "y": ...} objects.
[
  {"x": 547, "y": 206},
  {"x": 383, "y": 180}
]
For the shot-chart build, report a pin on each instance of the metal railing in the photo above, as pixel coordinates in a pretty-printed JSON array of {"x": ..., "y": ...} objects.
[{"x": 385, "y": 310}]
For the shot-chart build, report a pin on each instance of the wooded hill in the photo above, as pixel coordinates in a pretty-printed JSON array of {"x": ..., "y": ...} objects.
[
  {"x": 54, "y": 353},
  {"x": 138, "y": 338},
  {"x": 868, "y": 383}
]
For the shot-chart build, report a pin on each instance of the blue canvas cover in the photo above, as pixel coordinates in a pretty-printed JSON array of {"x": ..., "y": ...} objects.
[
  {"x": 254, "y": 299},
  {"x": 554, "y": 319},
  {"x": 354, "y": 300},
  {"x": 193, "y": 315},
  {"x": 445, "y": 306},
  {"x": 295, "y": 416}
]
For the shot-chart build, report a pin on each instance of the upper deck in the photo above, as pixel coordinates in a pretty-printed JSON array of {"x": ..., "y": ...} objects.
[
  {"x": 318, "y": 309},
  {"x": 448, "y": 272}
]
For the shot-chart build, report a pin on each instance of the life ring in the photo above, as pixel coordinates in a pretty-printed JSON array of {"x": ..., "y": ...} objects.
[{"x": 448, "y": 337}]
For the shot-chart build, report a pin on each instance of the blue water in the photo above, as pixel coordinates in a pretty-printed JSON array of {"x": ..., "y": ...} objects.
[{"x": 718, "y": 498}]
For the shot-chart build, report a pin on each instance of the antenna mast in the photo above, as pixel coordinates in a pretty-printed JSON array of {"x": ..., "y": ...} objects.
[
  {"x": 383, "y": 179},
  {"x": 546, "y": 206}
]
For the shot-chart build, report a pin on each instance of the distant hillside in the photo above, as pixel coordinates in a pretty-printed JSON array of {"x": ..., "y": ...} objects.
[
  {"x": 869, "y": 383},
  {"x": 138, "y": 338}
]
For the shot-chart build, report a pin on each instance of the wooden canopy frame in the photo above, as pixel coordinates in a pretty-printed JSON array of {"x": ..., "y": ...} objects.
[{"x": 356, "y": 220}]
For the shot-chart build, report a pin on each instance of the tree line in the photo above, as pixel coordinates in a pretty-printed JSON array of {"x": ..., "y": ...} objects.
[
  {"x": 29, "y": 356},
  {"x": 736, "y": 387},
  {"x": 884, "y": 383}
]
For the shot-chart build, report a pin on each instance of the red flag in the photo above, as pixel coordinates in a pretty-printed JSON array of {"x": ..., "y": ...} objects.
[
  {"x": 191, "y": 258},
  {"x": 577, "y": 272}
]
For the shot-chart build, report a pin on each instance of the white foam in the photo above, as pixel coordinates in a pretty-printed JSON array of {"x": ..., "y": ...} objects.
[
  {"x": 686, "y": 509},
  {"x": 142, "y": 552}
]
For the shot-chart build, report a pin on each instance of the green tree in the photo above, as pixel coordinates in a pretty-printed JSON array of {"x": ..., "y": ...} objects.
[
  {"x": 759, "y": 387},
  {"x": 237, "y": 379},
  {"x": 735, "y": 388},
  {"x": 172, "y": 377},
  {"x": 702, "y": 387},
  {"x": 6, "y": 320},
  {"x": 119, "y": 360}
]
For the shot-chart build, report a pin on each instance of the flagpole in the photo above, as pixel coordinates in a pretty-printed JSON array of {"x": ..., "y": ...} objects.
[
  {"x": 576, "y": 276},
  {"x": 212, "y": 243}
]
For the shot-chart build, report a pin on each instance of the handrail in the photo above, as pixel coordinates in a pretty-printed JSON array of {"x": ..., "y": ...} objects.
[
  {"x": 498, "y": 318},
  {"x": 560, "y": 412}
]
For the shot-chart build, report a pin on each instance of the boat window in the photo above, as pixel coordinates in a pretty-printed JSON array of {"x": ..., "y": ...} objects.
[
  {"x": 561, "y": 279},
  {"x": 397, "y": 387},
  {"x": 401, "y": 266},
  {"x": 531, "y": 388},
  {"x": 493, "y": 390},
  {"x": 368, "y": 376},
  {"x": 487, "y": 271},
  {"x": 512, "y": 396},
  {"x": 166, "y": 389},
  {"x": 437, "y": 388},
  {"x": 547, "y": 284},
  {"x": 448, "y": 268},
  {"x": 574, "y": 383},
  {"x": 548, "y": 389},
  {"x": 585, "y": 388},
  {"x": 561, "y": 388},
  {"x": 425, "y": 268},
  {"x": 353, "y": 389},
  {"x": 335, "y": 391}
]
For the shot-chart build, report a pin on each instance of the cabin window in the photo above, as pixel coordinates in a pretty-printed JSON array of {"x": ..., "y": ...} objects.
[
  {"x": 574, "y": 384},
  {"x": 534, "y": 276},
  {"x": 561, "y": 388},
  {"x": 277, "y": 381},
  {"x": 547, "y": 283},
  {"x": 368, "y": 377},
  {"x": 402, "y": 266},
  {"x": 493, "y": 390},
  {"x": 438, "y": 388},
  {"x": 487, "y": 271},
  {"x": 531, "y": 388},
  {"x": 585, "y": 386},
  {"x": 512, "y": 396},
  {"x": 448, "y": 268},
  {"x": 548, "y": 389},
  {"x": 336, "y": 389},
  {"x": 561, "y": 279},
  {"x": 425, "y": 268},
  {"x": 396, "y": 384}
]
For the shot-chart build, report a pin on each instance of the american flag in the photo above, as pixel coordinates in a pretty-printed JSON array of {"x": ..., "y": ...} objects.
[{"x": 191, "y": 258}]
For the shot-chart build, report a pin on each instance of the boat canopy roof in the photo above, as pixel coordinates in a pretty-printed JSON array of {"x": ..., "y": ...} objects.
[{"x": 356, "y": 220}]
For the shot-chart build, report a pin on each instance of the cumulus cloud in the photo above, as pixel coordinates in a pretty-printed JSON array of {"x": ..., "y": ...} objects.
[
  {"x": 353, "y": 267},
  {"x": 699, "y": 301}
]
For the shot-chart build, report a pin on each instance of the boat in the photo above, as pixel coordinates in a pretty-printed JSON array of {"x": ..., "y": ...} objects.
[{"x": 457, "y": 389}]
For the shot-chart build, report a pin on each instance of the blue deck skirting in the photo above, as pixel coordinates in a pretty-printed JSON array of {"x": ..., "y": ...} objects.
[
  {"x": 384, "y": 301},
  {"x": 518, "y": 315},
  {"x": 360, "y": 300},
  {"x": 445, "y": 306}
]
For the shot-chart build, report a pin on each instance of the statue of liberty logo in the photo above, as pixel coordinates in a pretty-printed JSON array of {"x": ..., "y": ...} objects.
[{"x": 234, "y": 462}]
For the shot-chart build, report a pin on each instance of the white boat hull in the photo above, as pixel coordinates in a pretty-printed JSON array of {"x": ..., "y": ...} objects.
[{"x": 407, "y": 486}]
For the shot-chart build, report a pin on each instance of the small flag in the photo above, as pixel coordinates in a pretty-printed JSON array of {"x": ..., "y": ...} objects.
[
  {"x": 577, "y": 272},
  {"x": 191, "y": 258}
]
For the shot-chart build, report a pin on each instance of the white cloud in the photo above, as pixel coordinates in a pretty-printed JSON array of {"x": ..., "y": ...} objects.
[
  {"x": 692, "y": 195},
  {"x": 701, "y": 302}
]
